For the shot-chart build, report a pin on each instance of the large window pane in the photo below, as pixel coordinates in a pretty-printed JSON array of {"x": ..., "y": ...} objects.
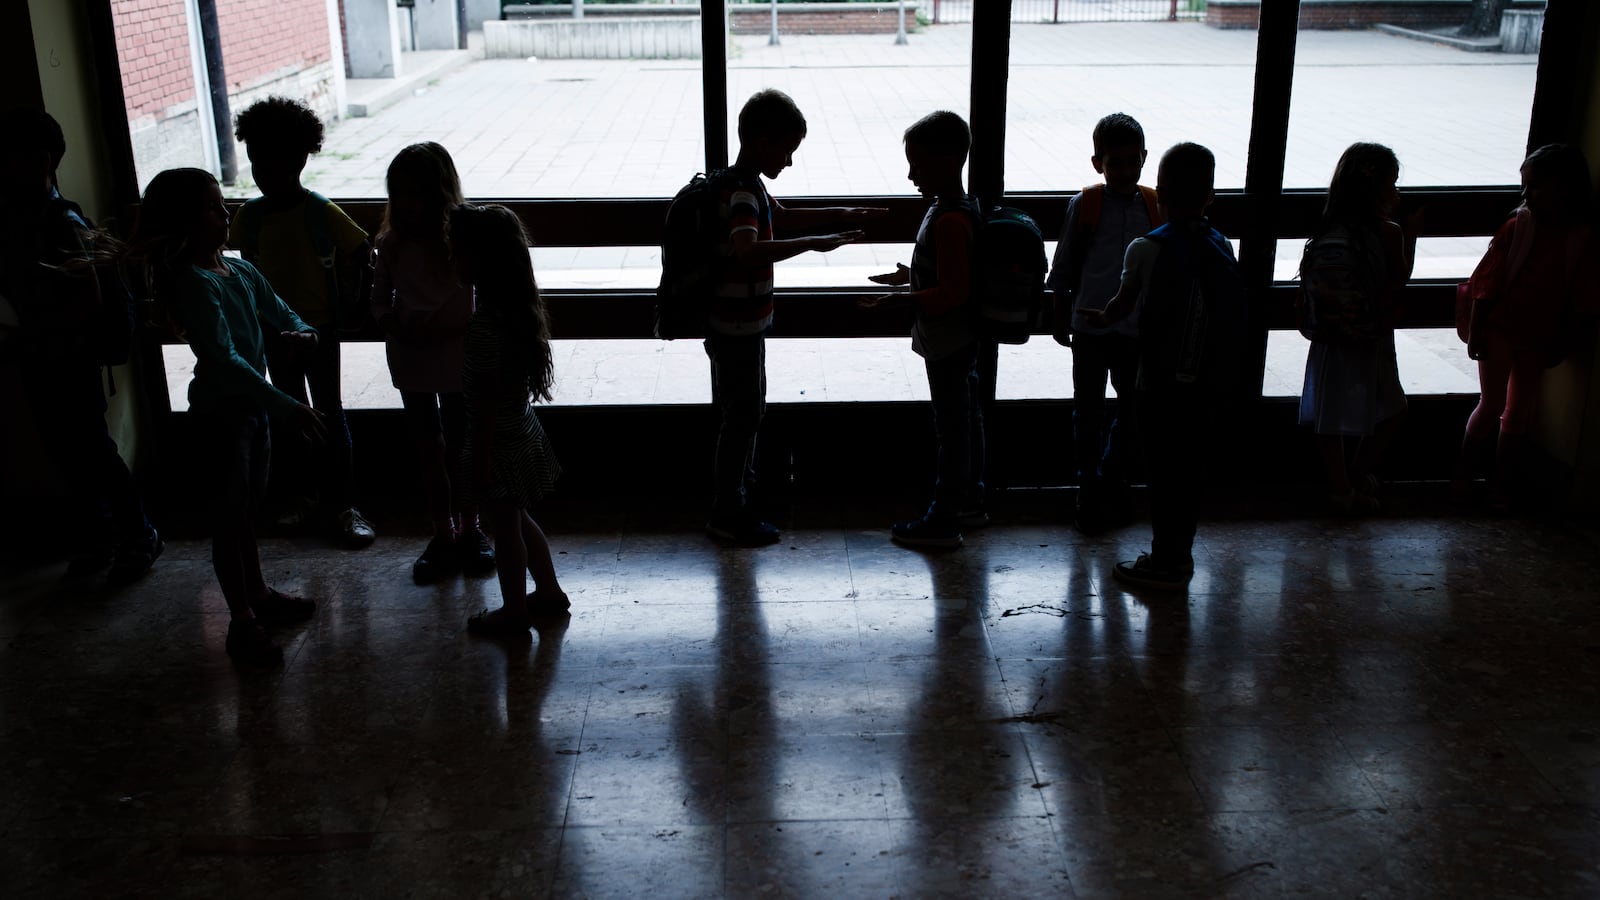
[{"x": 1183, "y": 80}]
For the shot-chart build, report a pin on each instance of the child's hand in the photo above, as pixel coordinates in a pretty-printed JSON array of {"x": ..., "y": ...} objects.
[
  {"x": 900, "y": 275},
  {"x": 879, "y": 301},
  {"x": 300, "y": 343},
  {"x": 822, "y": 243},
  {"x": 1411, "y": 225},
  {"x": 856, "y": 213},
  {"x": 1095, "y": 317},
  {"x": 310, "y": 425}
]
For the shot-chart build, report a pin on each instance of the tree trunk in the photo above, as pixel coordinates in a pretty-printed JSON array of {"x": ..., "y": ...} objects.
[{"x": 1485, "y": 18}]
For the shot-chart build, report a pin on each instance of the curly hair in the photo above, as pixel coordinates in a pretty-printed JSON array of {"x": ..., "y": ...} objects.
[{"x": 280, "y": 123}]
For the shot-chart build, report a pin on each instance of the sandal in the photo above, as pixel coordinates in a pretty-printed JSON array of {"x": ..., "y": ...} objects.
[
  {"x": 500, "y": 622},
  {"x": 278, "y": 608},
  {"x": 548, "y": 605}
]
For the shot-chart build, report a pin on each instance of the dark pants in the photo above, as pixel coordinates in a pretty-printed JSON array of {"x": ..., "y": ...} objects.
[
  {"x": 739, "y": 396},
  {"x": 69, "y": 409},
  {"x": 438, "y": 426},
  {"x": 301, "y": 468},
  {"x": 957, "y": 394},
  {"x": 236, "y": 444},
  {"x": 1173, "y": 423},
  {"x": 1104, "y": 453}
]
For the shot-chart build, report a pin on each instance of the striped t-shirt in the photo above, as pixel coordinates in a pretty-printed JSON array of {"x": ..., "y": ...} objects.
[{"x": 743, "y": 301}]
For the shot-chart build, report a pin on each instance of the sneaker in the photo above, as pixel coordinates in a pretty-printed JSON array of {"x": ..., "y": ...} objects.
[
  {"x": 134, "y": 559},
  {"x": 743, "y": 530},
  {"x": 473, "y": 552},
  {"x": 278, "y": 608},
  {"x": 548, "y": 604},
  {"x": 1148, "y": 572},
  {"x": 972, "y": 519},
  {"x": 437, "y": 562},
  {"x": 499, "y": 623},
  {"x": 296, "y": 512},
  {"x": 940, "y": 533},
  {"x": 355, "y": 529},
  {"x": 249, "y": 645}
]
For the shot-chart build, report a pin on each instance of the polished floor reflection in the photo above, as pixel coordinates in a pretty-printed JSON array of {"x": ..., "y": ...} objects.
[{"x": 1406, "y": 706}]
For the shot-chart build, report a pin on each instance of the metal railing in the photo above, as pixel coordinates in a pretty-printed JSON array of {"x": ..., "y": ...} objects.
[{"x": 944, "y": 12}]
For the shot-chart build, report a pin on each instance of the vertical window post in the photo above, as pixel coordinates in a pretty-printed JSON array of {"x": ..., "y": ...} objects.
[
  {"x": 1263, "y": 179},
  {"x": 991, "y": 60},
  {"x": 714, "y": 80}
]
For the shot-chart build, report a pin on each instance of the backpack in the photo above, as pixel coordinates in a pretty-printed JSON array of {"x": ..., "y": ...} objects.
[
  {"x": 691, "y": 263},
  {"x": 1008, "y": 268},
  {"x": 344, "y": 284},
  {"x": 1340, "y": 293},
  {"x": 1091, "y": 204},
  {"x": 1192, "y": 322},
  {"x": 110, "y": 333}
]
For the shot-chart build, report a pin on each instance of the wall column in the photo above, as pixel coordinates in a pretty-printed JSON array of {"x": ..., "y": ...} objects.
[
  {"x": 373, "y": 29},
  {"x": 434, "y": 24}
]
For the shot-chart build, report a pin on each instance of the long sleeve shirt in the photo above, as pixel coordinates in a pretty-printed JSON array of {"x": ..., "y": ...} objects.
[{"x": 222, "y": 317}]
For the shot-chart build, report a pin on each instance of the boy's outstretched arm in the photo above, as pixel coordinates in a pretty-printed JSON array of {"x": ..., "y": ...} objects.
[
  {"x": 748, "y": 250},
  {"x": 786, "y": 219}
]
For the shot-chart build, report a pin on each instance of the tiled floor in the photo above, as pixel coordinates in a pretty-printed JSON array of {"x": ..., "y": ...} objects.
[{"x": 1406, "y": 706}]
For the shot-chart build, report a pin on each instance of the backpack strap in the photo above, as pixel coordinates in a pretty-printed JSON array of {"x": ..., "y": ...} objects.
[
  {"x": 249, "y": 216},
  {"x": 1152, "y": 208},
  {"x": 321, "y": 237}
]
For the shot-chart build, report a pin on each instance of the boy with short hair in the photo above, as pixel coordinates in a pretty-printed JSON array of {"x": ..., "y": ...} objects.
[
  {"x": 1183, "y": 280},
  {"x": 1102, "y": 220},
  {"x": 312, "y": 254},
  {"x": 771, "y": 128},
  {"x": 940, "y": 277}
]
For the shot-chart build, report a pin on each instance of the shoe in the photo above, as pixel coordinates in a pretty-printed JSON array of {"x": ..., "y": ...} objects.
[
  {"x": 548, "y": 605},
  {"x": 355, "y": 529},
  {"x": 743, "y": 530},
  {"x": 437, "y": 562},
  {"x": 972, "y": 519},
  {"x": 473, "y": 552},
  {"x": 249, "y": 645},
  {"x": 1148, "y": 572},
  {"x": 132, "y": 561},
  {"x": 296, "y": 512},
  {"x": 499, "y": 623},
  {"x": 91, "y": 562},
  {"x": 278, "y": 608},
  {"x": 939, "y": 533}
]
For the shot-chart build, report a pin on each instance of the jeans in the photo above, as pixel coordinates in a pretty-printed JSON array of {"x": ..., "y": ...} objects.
[
  {"x": 957, "y": 394},
  {"x": 1103, "y": 453},
  {"x": 739, "y": 396},
  {"x": 1174, "y": 426},
  {"x": 330, "y": 469}
]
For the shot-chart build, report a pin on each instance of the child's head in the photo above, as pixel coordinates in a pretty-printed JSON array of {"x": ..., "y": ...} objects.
[
  {"x": 423, "y": 189},
  {"x": 1555, "y": 182},
  {"x": 279, "y": 135},
  {"x": 936, "y": 151},
  {"x": 771, "y": 128},
  {"x": 1363, "y": 187},
  {"x": 1184, "y": 181},
  {"x": 490, "y": 249},
  {"x": 181, "y": 218},
  {"x": 29, "y": 159},
  {"x": 1119, "y": 152}
]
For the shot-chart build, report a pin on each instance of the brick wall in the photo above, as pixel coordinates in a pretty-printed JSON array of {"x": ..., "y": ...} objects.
[
  {"x": 153, "y": 44},
  {"x": 1340, "y": 14},
  {"x": 263, "y": 38}
]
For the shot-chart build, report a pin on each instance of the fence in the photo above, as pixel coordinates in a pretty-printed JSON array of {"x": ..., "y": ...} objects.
[{"x": 942, "y": 12}]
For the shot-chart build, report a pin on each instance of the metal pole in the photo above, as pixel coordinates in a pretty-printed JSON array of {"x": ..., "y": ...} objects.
[
  {"x": 1055, "y": 13},
  {"x": 900, "y": 36},
  {"x": 772, "y": 37},
  {"x": 1171, "y": 17},
  {"x": 991, "y": 54},
  {"x": 211, "y": 40},
  {"x": 577, "y": 9},
  {"x": 461, "y": 25}
]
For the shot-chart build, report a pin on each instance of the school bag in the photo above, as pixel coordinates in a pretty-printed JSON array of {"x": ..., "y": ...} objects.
[
  {"x": 1192, "y": 321},
  {"x": 1091, "y": 205},
  {"x": 1008, "y": 268},
  {"x": 691, "y": 261},
  {"x": 110, "y": 333},
  {"x": 1340, "y": 294},
  {"x": 344, "y": 284}
]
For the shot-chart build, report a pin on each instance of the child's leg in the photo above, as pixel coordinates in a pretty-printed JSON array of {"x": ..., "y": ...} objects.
[
  {"x": 1372, "y": 448},
  {"x": 985, "y": 370},
  {"x": 292, "y": 486},
  {"x": 1091, "y": 365},
  {"x": 1173, "y": 463},
  {"x": 424, "y": 422},
  {"x": 239, "y": 449},
  {"x": 950, "y": 385},
  {"x": 511, "y": 555},
  {"x": 1524, "y": 386},
  {"x": 541, "y": 565},
  {"x": 739, "y": 394},
  {"x": 1494, "y": 375},
  {"x": 1122, "y": 436},
  {"x": 327, "y": 397},
  {"x": 1330, "y": 451}
]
